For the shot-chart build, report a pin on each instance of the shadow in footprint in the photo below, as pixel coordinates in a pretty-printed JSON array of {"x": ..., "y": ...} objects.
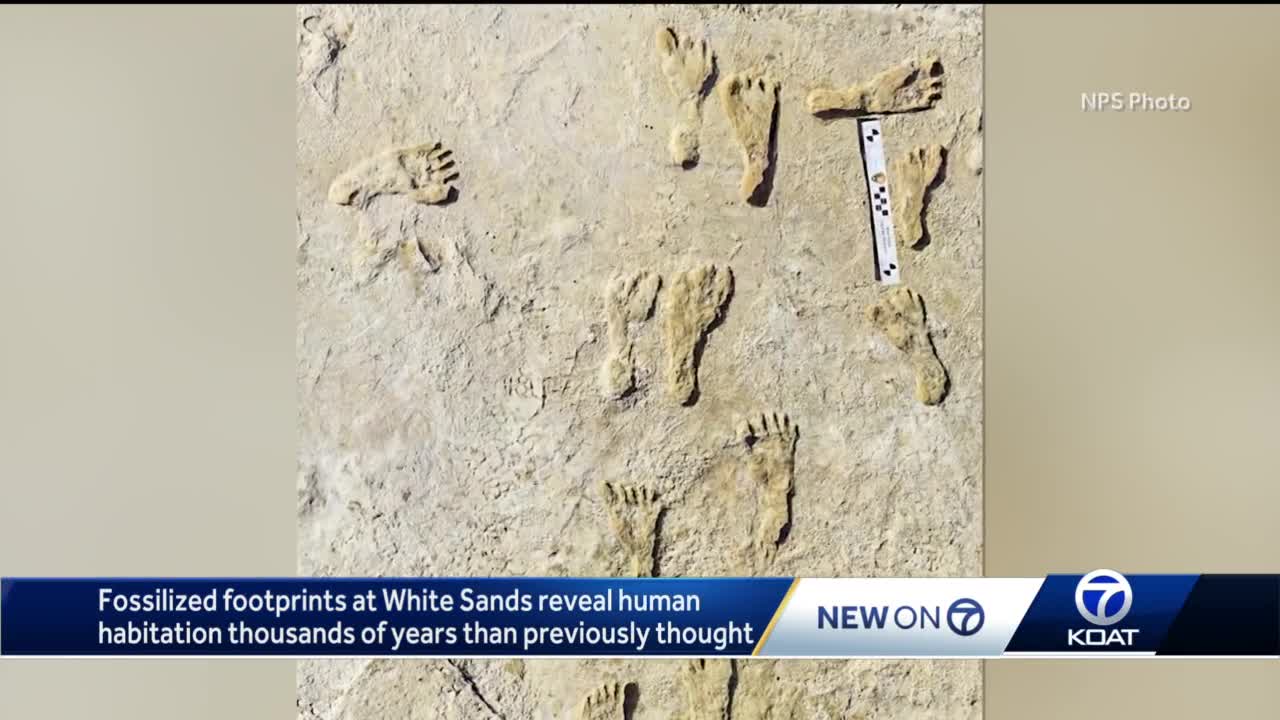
[
  {"x": 946, "y": 374},
  {"x": 452, "y": 196},
  {"x": 704, "y": 92},
  {"x": 658, "y": 524},
  {"x": 829, "y": 115},
  {"x": 630, "y": 699},
  {"x": 785, "y": 532},
  {"x": 760, "y": 197},
  {"x": 701, "y": 344},
  {"x": 925, "y": 238},
  {"x": 733, "y": 688}
]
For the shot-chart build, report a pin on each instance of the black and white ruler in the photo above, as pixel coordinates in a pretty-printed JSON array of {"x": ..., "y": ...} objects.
[{"x": 877, "y": 174}]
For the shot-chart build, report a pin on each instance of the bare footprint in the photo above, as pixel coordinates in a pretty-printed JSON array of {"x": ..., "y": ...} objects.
[
  {"x": 690, "y": 306},
  {"x": 419, "y": 254},
  {"x": 687, "y": 64},
  {"x": 900, "y": 316},
  {"x": 603, "y": 703},
  {"x": 706, "y": 689},
  {"x": 386, "y": 231},
  {"x": 749, "y": 100},
  {"x": 379, "y": 237},
  {"x": 914, "y": 84},
  {"x": 423, "y": 172},
  {"x": 633, "y": 515},
  {"x": 322, "y": 37},
  {"x": 770, "y": 439},
  {"x": 628, "y": 301},
  {"x": 912, "y": 175}
]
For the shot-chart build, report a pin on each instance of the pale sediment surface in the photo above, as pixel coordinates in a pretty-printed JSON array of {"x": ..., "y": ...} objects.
[{"x": 452, "y": 419}]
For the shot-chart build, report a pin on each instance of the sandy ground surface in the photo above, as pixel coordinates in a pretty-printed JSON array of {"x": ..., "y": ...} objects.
[{"x": 572, "y": 365}]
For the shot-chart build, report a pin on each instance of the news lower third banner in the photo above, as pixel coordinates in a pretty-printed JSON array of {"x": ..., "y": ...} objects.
[{"x": 1099, "y": 614}]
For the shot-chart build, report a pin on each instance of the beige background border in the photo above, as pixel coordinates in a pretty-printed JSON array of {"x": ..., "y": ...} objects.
[
  {"x": 147, "y": 298},
  {"x": 1132, "y": 343}
]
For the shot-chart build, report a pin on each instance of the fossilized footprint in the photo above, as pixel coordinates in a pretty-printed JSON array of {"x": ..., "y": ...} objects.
[
  {"x": 770, "y": 439},
  {"x": 628, "y": 301},
  {"x": 633, "y": 515},
  {"x": 914, "y": 84},
  {"x": 687, "y": 64},
  {"x": 385, "y": 232},
  {"x": 324, "y": 34},
  {"x": 706, "y": 689},
  {"x": 425, "y": 173},
  {"x": 900, "y": 316},
  {"x": 378, "y": 239},
  {"x": 749, "y": 100},
  {"x": 912, "y": 175},
  {"x": 691, "y": 304},
  {"x": 603, "y": 703}
]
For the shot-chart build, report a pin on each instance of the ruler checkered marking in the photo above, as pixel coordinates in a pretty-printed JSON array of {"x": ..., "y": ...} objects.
[{"x": 885, "y": 248}]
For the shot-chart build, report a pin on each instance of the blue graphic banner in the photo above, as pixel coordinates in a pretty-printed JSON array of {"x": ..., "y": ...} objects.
[
  {"x": 1101, "y": 611},
  {"x": 1098, "y": 614},
  {"x": 447, "y": 617}
]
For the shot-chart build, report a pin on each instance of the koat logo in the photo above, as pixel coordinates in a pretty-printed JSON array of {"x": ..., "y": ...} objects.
[{"x": 1103, "y": 597}]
